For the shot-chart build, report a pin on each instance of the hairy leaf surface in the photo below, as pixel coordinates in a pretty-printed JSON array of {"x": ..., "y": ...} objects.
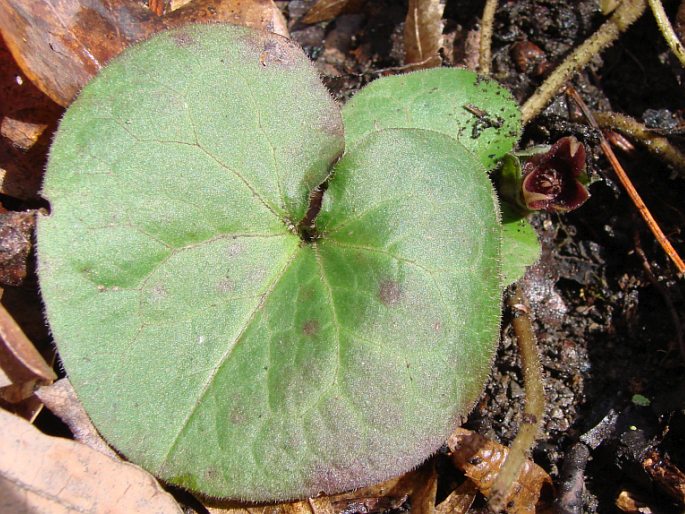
[
  {"x": 208, "y": 340},
  {"x": 476, "y": 111},
  {"x": 520, "y": 248}
]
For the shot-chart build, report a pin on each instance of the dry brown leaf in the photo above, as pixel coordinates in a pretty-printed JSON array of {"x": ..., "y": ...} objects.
[
  {"x": 27, "y": 119},
  {"x": 23, "y": 367},
  {"x": 177, "y": 4},
  {"x": 299, "y": 507},
  {"x": 23, "y": 134},
  {"x": 229, "y": 507},
  {"x": 21, "y": 363},
  {"x": 422, "y": 498},
  {"x": 423, "y": 34},
  {"x": 18, "y": 357},
  {"x": 385, "y": 496},
  {"x": 4, "y": 379},
  {"x": 627, "y": 502},
  {"x": 325, "y": 10},
  {"x": 321, "y": 505},
  {"x": 481, "y": 459},
  {"x": 21, "y": 172},
  {"x": 666, "y": 474},
  {"x": 39, "y": 473},
  {"x": 159, "y": 7},
  {"x": 460, "y": 500},
  {"x": 26, "y": 307},
  {"x": 258, "y": 14},
  {"x": 61, "y": 399},
  {"x": 61, "y": 44}
]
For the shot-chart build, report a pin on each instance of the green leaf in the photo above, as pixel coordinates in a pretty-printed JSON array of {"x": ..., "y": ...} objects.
[
  {"x": 476, "y": 111},
  {"x": 207, "y": 340},
  {"x": 520, "y": 246}
]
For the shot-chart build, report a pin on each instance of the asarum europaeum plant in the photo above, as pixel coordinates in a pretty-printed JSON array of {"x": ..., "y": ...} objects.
[
  {"x": 552, "y": 180},
  {"x": 258, "y": 295}
]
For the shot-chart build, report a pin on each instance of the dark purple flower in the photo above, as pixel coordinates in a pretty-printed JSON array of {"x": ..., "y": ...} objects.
[{"x": 555, "y": 181}]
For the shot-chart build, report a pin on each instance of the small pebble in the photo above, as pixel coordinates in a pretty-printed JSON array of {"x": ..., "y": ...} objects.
[{"x": 529, "y": 58}]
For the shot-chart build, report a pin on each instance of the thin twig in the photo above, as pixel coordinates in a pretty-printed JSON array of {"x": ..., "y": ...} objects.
[
  {"x": 485, "y": 52},
  {"x": 572, "y": 484},
  {"x": 624, "y": 16},
  {"x": 655, "y": 143},
  {"x": 535, "y": 400},
  {"x": 321, "y": 505},
  {"x": 158, "y": 7},
  {"x": 667, "y": 30},
  {"x": 628, "y": 185}
]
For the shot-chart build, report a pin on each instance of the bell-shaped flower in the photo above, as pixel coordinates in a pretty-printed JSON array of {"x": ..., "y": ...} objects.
[{"x": 551, "y": 181}]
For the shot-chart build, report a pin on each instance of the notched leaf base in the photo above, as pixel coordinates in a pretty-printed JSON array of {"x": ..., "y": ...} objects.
[{"x": 205, "y": 340}]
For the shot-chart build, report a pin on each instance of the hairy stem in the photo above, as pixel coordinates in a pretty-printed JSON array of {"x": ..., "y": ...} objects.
[
  {"x": 667, "y": 30},
  {"x": 485, "y": 53},
  {"x": 624, "y": 16},
  {"x": 655, "y": 143},
  {"x": 306, "y": 228},
  {"x": 535, "y": 400}
]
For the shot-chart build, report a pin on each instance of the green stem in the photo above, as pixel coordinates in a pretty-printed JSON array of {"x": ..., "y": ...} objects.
[
  {"x": 667, "y": 30},
  {"x": 485, "y": 53},
  {"x": 535, "y": 401},
  {"x": 655, "y": 143}
]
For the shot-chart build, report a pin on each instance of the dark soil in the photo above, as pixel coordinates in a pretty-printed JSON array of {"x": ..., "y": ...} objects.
[{"x": 606, "y": 299}]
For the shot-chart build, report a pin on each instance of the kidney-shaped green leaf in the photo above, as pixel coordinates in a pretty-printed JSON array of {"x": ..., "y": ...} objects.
[
  {"x": 477, "y": 111},
  {"x": 207, "y": 340}
]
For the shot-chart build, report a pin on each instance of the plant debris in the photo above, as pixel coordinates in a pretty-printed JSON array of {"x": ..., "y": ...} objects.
[
  {"x": 40, "y": 473},
  {"x": 62, "y": 45}
]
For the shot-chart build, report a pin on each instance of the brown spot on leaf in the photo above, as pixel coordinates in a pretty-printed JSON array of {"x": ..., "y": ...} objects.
[
  {"x": 390, "y": 293},
  {"x": 158, "y": 293},
  {"x": 238, "y": 416},
  {"x": 225, "y": 285},
  {"x": 311, "y": 327},
  {"x": 306, "y": 293},
  {"x": 331, "y": 125},
  {"x": 235, "y": 249},
  {"x": 183, "y": 39},
  {"x": 278, "y": 52}
]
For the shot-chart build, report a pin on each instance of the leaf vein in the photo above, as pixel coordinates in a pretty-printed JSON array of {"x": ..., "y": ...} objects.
[
  {"x": 258, "y": 113},
  {"x": 382, "y": 251},
  {"x": 206, "y": 386},
  {"x": 336, "y": 323},
  {"x": 366, "y": 211},
  {"x": 229, "y": 169}
]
